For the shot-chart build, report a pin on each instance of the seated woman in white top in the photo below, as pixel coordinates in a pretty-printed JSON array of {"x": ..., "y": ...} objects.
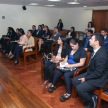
[
  {"x": 90, "y": 27},
  {"x": 25, "y": 41}
]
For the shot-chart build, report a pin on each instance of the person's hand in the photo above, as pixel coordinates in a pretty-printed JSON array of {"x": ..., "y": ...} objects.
[
  {"x": 62, "y": 63},
  {"x": 85, "y": 49},
  {"x": 53, "y": 60},
  {"x": 82, "y": 80},
  {"x": 68, "y": 66}
]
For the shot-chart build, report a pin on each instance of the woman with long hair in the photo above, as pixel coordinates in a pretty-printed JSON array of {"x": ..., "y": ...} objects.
[{"x": 58, "y": 55}]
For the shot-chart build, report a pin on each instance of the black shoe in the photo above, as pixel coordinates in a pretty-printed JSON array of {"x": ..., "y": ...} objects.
[
  {"x": 88, "y": 105},
  {"x": 11, "y": 58},
  {"x": 16, "y": 63},
  {"x": 4, "y": 53},
  {"x": 94, "y": 98},
  {"x": 51, "y": 89},
  {"x": 63, "y": 98},
  {"x": 39, "y": 52}
]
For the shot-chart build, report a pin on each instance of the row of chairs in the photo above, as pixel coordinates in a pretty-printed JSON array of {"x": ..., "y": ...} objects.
[{"x": 100, "y": 92}]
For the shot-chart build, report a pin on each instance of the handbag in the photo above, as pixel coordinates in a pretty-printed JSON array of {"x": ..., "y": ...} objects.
[
  {"x": 27, "y": 50},
  {"x": 47, "y": 57},
  {"x": 65, "y": 69}
]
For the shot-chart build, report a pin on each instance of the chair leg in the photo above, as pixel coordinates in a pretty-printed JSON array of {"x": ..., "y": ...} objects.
[
  {"x": 24, "y": 59},
  {"x": 99, "y": 98}
]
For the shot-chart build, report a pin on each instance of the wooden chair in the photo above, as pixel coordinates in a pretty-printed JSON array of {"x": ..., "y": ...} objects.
[
  {"x": 101, "y": 95},
  {"x": 77, "y": 71},
  {"x": 34, "y": 52}
]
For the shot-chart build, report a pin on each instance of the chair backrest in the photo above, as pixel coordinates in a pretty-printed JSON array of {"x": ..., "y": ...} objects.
[
  {"x": 88, "y": 57},
  {"x": 35, "y": 38},
  {"x": 52, "y": 32},
  {"x": 75, "y": 35}
]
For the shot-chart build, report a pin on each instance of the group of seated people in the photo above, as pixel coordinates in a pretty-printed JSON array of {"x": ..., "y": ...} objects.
[
  {"x": 69, "y": 52},
  {"x": 18, "y": 41},
  {"x": 74, "y": 56}
]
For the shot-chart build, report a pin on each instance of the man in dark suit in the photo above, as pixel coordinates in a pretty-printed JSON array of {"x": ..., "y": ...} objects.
[
  {"x": 85, "y": 43},
  {"x": 97, "y": 71},
  {"x": 34, "y": 30}
]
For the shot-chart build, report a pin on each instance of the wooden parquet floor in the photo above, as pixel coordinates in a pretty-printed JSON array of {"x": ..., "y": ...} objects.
[{"x": 30, "y": 75}]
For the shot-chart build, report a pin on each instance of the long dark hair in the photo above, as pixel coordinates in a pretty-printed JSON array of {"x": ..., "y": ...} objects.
[
  {"x": 64, "y": 40},
  {"x": 21, "y": 31},
  {"x": 73, "y": 29},
  {"x": 90, "y": 23},
  {"x": 74, "y": 41},
  {"x": 11, "y": 30}
]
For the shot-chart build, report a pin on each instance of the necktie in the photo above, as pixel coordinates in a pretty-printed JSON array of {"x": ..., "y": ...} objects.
[{"x": 91, "y": 57}]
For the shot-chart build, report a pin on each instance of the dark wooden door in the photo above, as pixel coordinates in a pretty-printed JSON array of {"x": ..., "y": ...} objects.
[{"x": 100, "y": 20}]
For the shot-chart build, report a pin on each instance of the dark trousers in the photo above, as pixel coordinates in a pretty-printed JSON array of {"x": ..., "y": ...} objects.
[
  {"x": 48, "y": 70},
  {"x": 4, "y": 44},
  {"x": 47, "y": 45},
  {"x": 11, "y": 47},
  {"x": 67, "y": 79},
  {"x": 83, "y": 89},
  {"x": 18, "y": 49}
]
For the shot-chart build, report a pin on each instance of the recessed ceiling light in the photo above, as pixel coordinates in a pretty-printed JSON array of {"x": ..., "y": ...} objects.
[
  {"x": 54, "y": 0},
  {"x": 73, "y": 3},
  {"x": 34, "y": 4},
  {"x": 49, "y": 5},
  {"x": 85, "y": 6}
]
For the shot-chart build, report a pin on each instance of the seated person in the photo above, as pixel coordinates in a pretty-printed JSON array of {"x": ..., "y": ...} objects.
[
  {"x": 42, "y": 26},
  {"x": 97, "y": 71},
  {"x": 11, "y": 46},
  {"x": 19, "y": 47},
  {"x": 90, "y": 27},
  {"x": 104, "y": 33},
  {"x": 54, "y": 38},
  {"x": 11, "y": 38},
  {"x": 59, "y": 54},
  {"x": 39, "y": 32},
  {"x": 46, "y": 35},
  {"x": 70, "y": 34},
  {"x": 76, "y": 57},
  {"x": 3, "y": 37},
  {"x": 85, "y": 43},
  {"x": 34, "y": 30}
]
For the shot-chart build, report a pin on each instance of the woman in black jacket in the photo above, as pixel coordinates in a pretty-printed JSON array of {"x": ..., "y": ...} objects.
[
  {"x": 11, "y": 38},
  {"x": 11, "y": 46},
  {"x": 59, "y": 54},
  {"x": 70, "y": 34},
  {"x": 60, "y": 25}
]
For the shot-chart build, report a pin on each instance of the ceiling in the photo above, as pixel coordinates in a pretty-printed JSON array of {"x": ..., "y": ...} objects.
[{"x": 61, "y": 4}]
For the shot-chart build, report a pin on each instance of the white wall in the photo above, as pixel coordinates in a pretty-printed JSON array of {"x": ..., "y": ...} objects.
[
  {"x": 18, "y": 18},
  {"x": 78, "y": 17}
]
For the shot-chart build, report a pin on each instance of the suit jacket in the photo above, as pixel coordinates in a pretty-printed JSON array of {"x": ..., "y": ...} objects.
[
  {"x": 106, "y": 43},
  {"x": 34, "y": 32},
  {"x": 61, "y": 26},
  {"x": 40, "y": 34},
  {"x": 90, "y": 49},
  {"x": 97, "y": 70}
]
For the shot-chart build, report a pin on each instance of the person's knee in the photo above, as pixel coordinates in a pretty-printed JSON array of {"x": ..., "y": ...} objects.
[
  {"x": 50, "y": 68},
  {"x": 66, "y": 76},
  {"x": 74, "y": 81}
]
